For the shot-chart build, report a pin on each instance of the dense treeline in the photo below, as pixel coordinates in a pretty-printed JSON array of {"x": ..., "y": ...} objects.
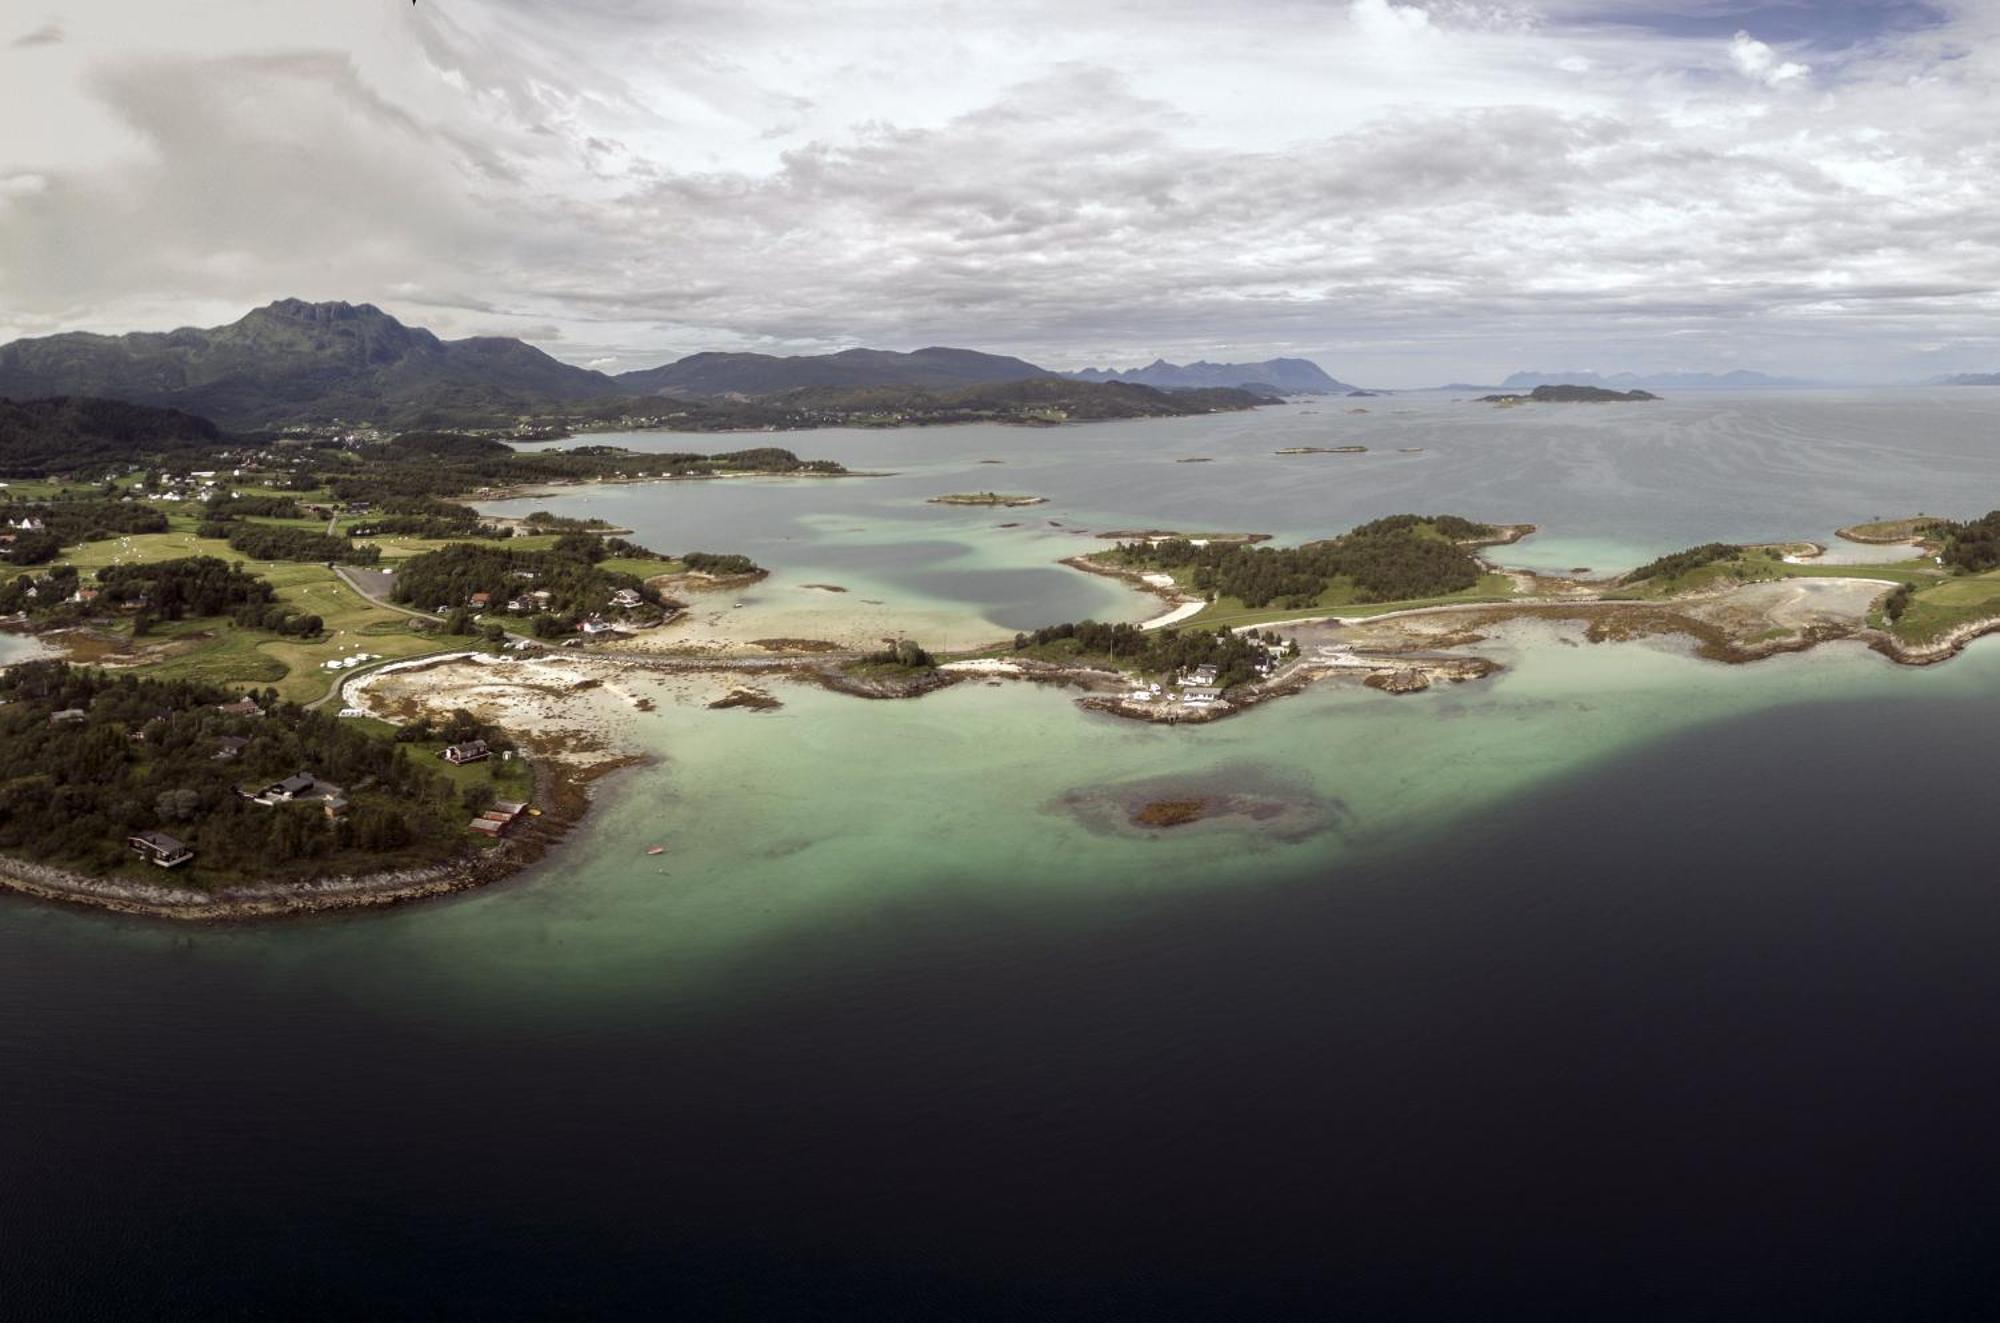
[
  {"x": 143, "y": 757},
  {"x": 66, "y": 523},
  {"x": 452, "y": 576},
  {"x": 225, "y": 507},
  {"x": 192, "y": 586},
  {"x": 70, "y": 432},
  {"x": 722, "y": 565},
  {"x": 1680, "y": 562},
  {"x": 1159, "y": 652},
  {"x": 1456, "y": 527},
  {"x": 424, "y": 516},
  {"x": 1974, "y": 546},
  {"x": 543, "y": 521},
  {"x": 1389, "y": 560},
  {"x": 277, "y": 542}
]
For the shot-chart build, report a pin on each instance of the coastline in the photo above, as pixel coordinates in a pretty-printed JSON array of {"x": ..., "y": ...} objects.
[
  {"x": 564, "y": 791},
  {"x": 1403, "y": 651}
]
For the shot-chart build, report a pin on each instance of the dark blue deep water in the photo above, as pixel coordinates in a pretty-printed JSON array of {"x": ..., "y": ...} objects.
[{"x": 1710, "y": 1033}]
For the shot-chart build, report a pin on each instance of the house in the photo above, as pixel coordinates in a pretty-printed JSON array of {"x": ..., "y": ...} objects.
[
  {"x": 511, "y": 808},
  {"x": 335, "y": 806},
  {"x": 471, "y": 751},
  {"x": 159, "y": 848},
  {"x": 479, "y": 600},
  {"x": 1199, "y": 695},
  {"x": 287, "y": 790},
  {"x": 242, "y": 707},
  {"x": 68, "y": 714},
  {"x": 594, "y": 626},
  {"x": 626, "y": 599},
  {"x": 230, "y": 746},
  {"x": 521, "y": 605},
  {"x": 542, "y": 596},
  {"x": 488, "y": 827},
  {"x": 1202, "y": 675}
]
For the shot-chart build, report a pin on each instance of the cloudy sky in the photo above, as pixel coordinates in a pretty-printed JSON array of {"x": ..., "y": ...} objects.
[{"x": 1408, "y": 191}]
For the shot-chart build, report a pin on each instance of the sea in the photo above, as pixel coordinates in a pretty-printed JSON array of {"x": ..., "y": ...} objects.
[{"x": 1621, "y": 985}]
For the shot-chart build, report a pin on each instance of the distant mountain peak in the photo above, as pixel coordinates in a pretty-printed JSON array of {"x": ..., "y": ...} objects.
[
  {"x": 1297, "y": 376},
  {"x": 1738, "y": 379},
  {"x": 294, "y": 360}
]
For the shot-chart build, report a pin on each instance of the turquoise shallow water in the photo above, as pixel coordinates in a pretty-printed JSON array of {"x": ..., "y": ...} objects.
[{"x": 1009, "y": 798}]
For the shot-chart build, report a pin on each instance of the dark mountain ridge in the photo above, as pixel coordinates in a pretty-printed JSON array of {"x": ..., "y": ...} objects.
[
  {"x": 753, "y": 375},
  {"x": 293, "y": 361},
  {"x": 44, "y": 434}
]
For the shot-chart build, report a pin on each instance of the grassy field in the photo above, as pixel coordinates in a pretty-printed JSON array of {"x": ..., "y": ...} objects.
[
  {"x": 1338, "y": 599},
  {"x": 1943, "y": 607},
  {"x": 1756, "y": 567},
  {"x": 218, "y": 652}
]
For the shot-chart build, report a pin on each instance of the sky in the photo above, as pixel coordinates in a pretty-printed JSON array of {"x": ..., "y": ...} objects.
[{"x": 1408, "y": 192}]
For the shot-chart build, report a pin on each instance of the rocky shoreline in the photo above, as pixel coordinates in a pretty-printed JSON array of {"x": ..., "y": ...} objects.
[{"x": 565, "y": 793}]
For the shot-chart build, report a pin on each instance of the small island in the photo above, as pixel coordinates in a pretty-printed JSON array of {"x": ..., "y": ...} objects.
[
  {"x": 1572, "y": 395},
  {"x": 1322, "y": 450},
  {"x": 987, "y": 498}
]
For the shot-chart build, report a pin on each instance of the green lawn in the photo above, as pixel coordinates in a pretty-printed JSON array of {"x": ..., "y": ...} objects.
[
  {"x": 221, "y": 653},
  {"x": 1943, "y": 607},
  {"x": 1338, "y": 599},
  {"x": 1757, "y": 568}
]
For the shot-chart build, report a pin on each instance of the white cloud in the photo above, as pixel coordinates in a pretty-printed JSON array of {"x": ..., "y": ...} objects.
[{"x": 1755, "y": 60}]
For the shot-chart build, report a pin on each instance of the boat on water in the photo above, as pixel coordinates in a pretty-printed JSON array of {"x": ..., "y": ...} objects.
[{"x": 656, "y": 849}]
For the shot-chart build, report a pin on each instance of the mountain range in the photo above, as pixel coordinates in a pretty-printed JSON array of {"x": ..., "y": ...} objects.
[
  {"x": 293, "y": 361},
  {"x": 1738, "y": 380},
  {"x": 1287, "y": 376}
]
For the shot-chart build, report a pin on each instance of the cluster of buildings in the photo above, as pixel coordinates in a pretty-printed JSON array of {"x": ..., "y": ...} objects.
[
  {"x": 347, "y": 663},
  {"x": 497, "y": 820},
  {"x": 1195, "y": 687}
]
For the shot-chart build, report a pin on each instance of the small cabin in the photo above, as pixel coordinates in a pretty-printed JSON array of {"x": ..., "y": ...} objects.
[
  {"x": 159, "y": 848},
  {"x": 242, "y": 707},
  {"x": 471, "y": 751},
  {"x": 626, "y": 598}
]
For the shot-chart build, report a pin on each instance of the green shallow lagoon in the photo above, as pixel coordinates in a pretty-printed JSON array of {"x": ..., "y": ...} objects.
[{"x": 1010, "y": 800}]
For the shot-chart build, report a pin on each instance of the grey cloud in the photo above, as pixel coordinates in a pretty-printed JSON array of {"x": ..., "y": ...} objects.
[
  {"x": 49, "y": 34},
  {"x": 1087, "y": 213}
]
